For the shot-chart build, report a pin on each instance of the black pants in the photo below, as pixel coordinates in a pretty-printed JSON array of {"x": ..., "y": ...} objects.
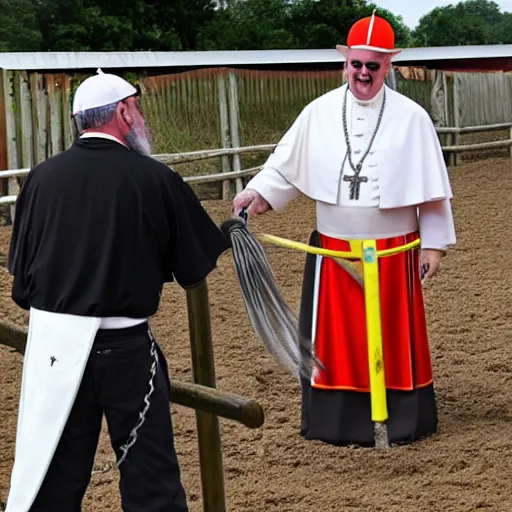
[{"x": 115, "y": 383}]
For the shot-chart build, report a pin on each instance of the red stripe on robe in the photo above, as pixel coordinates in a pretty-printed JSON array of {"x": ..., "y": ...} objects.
[{"x": 340, "y": 341}]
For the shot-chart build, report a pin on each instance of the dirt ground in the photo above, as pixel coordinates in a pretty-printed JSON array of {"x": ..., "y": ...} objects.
[{"x": 466, "y": 467}]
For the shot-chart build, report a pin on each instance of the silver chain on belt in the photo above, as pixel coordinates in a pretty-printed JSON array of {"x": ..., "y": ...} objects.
[{"x": 132, "y": 438}]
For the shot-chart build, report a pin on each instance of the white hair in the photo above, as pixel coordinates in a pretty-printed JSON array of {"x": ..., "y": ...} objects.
[{"x": 95, "y": 117}]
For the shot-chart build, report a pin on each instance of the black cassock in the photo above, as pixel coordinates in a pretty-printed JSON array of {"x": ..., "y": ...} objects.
[{"x": 98, "y": 230}]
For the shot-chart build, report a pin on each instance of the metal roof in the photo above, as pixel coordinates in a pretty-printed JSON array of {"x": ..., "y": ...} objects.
[
  {"x": 184, "y": 59},
  {"x": 459, "y": 58}
]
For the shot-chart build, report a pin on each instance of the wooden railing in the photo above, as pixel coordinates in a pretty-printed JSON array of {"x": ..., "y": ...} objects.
[{"x": 193, "y": 156}]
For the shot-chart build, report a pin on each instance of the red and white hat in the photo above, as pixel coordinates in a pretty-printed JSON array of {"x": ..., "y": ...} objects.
[{"x": 371, "y": 33}]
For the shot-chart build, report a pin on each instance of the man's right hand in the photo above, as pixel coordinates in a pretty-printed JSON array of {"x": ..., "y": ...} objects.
[{"x": 252, "y": 200}]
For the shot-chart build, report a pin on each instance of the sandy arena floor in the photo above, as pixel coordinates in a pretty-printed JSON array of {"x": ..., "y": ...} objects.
[{"x": 466, "y": 467}]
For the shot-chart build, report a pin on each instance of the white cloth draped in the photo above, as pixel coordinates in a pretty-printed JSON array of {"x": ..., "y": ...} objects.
[
  {"x": 408, "y": 186},
  {"x": 58, "y": 347}
]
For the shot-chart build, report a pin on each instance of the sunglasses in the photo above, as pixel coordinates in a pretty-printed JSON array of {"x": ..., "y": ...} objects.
[{"x": 370, "y": 66}]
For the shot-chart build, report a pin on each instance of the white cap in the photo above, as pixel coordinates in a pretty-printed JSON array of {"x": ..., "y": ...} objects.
[{"x": 100, "y": 90}]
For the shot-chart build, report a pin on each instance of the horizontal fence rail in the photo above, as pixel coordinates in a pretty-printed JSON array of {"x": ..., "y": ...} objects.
[
  {"x": 8, "y": 199},
  {"x": 192, "y": 156},
  {"x": 181, "y": 158},
  {"x": 474, "y": 129},
  {"x": 479, "y": 146}
]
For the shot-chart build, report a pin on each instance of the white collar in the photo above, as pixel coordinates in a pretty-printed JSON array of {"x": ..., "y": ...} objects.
[
  {"x": 372, "y": 103},
  {"x": 101, "y": 135}
]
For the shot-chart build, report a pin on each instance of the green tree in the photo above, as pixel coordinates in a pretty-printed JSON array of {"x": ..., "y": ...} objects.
[
  {"x": 325, "y": 23},
  {"x": 467, "y": 23},
  {"x": 117, "y": 25},
  {"x": 92, "y": 25},
  {"x": 184, "y": 18},
  {"x": 487, "y": 10},
  {"x": 19, "y": 29},
  {"x": 504, "y": 29},
  {"x": 250, "y": 25}
]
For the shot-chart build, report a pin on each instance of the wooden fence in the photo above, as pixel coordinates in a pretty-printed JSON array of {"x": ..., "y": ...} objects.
[
  {"x": 229, "y": 109},
  {"x": 238, "y": 174}
]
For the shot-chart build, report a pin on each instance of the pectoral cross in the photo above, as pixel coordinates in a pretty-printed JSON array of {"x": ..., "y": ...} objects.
[{"x": 355, "y": 183}]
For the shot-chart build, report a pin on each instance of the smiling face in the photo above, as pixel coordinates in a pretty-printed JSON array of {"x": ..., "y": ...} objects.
[{"x": 366, "y": 72}]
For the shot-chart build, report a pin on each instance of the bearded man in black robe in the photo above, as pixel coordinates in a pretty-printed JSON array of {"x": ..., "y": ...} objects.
[{"x": 98, "y": 230}]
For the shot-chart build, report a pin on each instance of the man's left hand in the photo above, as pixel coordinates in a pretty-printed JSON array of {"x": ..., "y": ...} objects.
[{"x": 430, "y": 260}]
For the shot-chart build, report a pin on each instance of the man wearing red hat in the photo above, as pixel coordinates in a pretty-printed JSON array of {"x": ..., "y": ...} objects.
[{"x": 371, "y": 159}]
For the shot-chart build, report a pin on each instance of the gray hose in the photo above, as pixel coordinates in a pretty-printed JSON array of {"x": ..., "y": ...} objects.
[{"x": 271, "y": 318}]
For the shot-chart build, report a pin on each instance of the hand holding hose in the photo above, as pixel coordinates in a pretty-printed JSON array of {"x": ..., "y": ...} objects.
[{"x": 252, "y": 201}]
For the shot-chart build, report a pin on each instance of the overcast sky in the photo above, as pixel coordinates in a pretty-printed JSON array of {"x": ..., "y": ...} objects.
[{"x": 412, "y": 10}]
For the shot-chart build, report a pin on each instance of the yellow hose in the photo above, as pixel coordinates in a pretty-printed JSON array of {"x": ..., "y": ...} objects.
[
  {"x": 299, "y": 246},
  {"x": 374, "y": 332}
]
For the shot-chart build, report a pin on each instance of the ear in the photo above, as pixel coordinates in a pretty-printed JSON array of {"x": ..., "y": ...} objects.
[
  {"x": 124, "y": 117},
  {"x": 343, "y": 49},
  {"x": 394, "y": 54}
]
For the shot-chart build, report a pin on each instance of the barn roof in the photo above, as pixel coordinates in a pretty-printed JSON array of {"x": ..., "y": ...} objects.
[{"x": 484, "y": 57}]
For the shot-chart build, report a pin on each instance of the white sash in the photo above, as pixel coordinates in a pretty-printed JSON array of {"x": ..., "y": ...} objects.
[{"x": 57, "y": 350}]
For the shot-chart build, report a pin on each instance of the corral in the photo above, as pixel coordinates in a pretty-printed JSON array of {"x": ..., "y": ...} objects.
[{"x": 463, "y": 468}]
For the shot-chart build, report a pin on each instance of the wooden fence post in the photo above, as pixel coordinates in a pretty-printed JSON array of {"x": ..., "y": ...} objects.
[
  {"x": 393, "y": 84},
  {"x": 11, "y": 134},
  {"x": 208, "y": 431},
  {"x": 55, "y": 116},
  {"x": 510, "y": 131},
  {"x": 4, "y": 158},
  {"x": 224, "y": 132},
  {"x": 448, "y": 138},
  {"x": 68, "y": 126},
  {"x": 25, "y": 105},
  {"x": 456, "y": 113},
  {"x": 39, "y": 117},
  {"x": 234, "y": 119}
]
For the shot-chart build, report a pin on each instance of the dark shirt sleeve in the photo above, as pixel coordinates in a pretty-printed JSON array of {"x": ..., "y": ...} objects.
[
  {"x": 197, "y": 242},
  {"x": 19, "y": 248}
]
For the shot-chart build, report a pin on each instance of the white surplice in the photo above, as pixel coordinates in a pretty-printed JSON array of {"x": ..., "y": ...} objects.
[{"x": 408, "y": 188}]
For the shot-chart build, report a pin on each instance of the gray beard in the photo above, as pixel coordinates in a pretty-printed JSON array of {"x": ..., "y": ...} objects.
[{"x": 138, "y": 142}]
